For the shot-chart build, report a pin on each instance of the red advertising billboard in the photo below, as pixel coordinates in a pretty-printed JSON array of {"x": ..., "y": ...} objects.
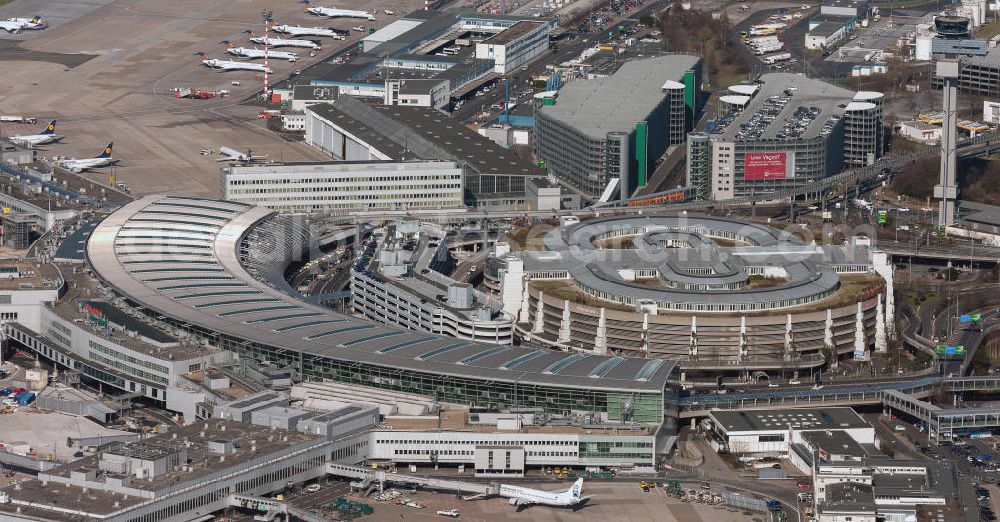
[{"x": 764, "y": 165}]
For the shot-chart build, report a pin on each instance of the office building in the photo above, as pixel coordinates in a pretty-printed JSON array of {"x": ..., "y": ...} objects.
[
  {"x": 620, "y": 125},
  {"x": 351, "y": 130},
  {"x": 346, "y": 185},
  {"x": 515, "y": 46},
  {"x": 775, "y": 432}
]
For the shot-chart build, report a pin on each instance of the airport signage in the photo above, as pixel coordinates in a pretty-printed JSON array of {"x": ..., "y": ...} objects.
[{"x": 764, "y": 165}]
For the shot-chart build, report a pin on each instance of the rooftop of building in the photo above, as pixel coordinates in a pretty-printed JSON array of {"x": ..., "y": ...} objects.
[
  {"x": 835, "y": 443},
  {"x": 826, "y": 29},
  {"x": 980, "y": 215},
  {"x": 617, "y": 102},
  {"x": 848, "y": 497},
  {"x": 692, "y": 268},
  {"x": 248, "y": 443},
  {"x": 512, "y": 33},
  {"x": 919, "y": 125},
  {"x": 237, "y": 388},
  {"x": 532, "y": 424},
  {"x": 338, "y": 166},
  {"x": 19, "y": 274},
  {"x": 991, "y": 59},
  {"x": 421, "y": 133},
  {"x": 151, "y": 340},
  {"x": 786, "y": 107},
  {"x": 37, "y": 193},
  {"x": 780, "y": 420}
]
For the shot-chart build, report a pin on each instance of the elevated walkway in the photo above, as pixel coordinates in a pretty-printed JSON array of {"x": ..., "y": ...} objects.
[{"x": 381, "y": 477}]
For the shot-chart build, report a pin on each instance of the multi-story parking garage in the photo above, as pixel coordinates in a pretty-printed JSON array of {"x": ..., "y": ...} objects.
[
  {"x": 212, "y": 269},
  {"x": 666, "y": 287}
]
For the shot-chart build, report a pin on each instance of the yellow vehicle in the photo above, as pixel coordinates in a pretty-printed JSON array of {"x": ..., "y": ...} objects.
[
  {"x": 565, "y": 471},
  {"x": 643, "y": 485},
  {"x": 279, "y": 497}
]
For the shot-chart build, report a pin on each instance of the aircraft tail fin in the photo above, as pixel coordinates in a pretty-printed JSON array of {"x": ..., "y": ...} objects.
[
  {"x": 50, "y": 128},
  {"x": 575, "y": 492},
  {"x": 106, "y": 153}
]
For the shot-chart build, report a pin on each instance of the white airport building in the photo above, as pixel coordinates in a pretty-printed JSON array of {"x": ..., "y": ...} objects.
[
  {"x": 466, "y": 440},
  {"x": 346, "y": 186},
  {"x": 773, "y": 432},
  {"x": 515, "y": 46},
  {"x": 400, "y": 280}
]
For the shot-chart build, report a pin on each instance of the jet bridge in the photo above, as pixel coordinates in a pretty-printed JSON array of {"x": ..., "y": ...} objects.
[{"x": 365, "y": 475}]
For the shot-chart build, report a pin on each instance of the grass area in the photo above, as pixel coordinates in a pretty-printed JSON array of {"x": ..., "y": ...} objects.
[
  {"x": 988, "y": 30},
  {"x": 705, "y": 34},
  {"x": 758, "y": 281},
  {"x": 978, "y": 177},
  {"x": 616, "y": 243},
  {"x": 531, "y": 237},
  {"x": 566, "y": 290},
  {"x": 723, "y": 242},
  {"x": 853, "y": 288}
]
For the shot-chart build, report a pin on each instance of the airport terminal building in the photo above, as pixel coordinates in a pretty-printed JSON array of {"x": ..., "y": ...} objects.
[
  {"x": 620, "y": 125},
  {"x": 783, "y": 132},
  {"x": 212, "y": 271}
]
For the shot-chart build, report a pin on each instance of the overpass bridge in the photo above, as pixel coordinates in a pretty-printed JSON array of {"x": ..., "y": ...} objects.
[
  {"x": 872, "y": 394},
  {"x": 941, "y": 423}
]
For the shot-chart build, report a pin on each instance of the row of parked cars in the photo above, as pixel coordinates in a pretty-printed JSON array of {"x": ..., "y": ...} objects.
[
  {"x": 17, "y": 397},
  {"x": 985, "y": 510}
]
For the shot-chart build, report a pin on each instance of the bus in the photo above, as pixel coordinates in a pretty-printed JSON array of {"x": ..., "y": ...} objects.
[{"x": 451, "y": 51}]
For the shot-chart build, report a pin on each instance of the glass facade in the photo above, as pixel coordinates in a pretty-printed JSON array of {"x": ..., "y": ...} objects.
[{"x": 473, "y": 392}]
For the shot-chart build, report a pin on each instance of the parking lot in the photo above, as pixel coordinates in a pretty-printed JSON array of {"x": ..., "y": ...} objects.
[{"x": 140, "y": 52}]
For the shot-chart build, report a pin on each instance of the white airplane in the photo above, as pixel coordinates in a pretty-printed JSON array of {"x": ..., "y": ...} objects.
[
  {"x": 30, "y": 140},
  {"x": 360, "y": 28},
  {"x": 229, "y": 65},
  {"x": 249, "y": 52},
  {"x": 34, "y": 22},
  {"x": 333, "y": 12},
  {"x": 235, "y": 155},
  {"x": 522, "y": 497},
  {"x": 298, "y": 30},
  {"x": 11, "y": 27},
  {"x": 101, "y": 160},
  {"x": 281, "y": 42}
]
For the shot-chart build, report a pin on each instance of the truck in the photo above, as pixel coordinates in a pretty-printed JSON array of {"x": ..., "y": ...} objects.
[
  {"x": 773, "y": 505},
  {"x": 775, "y": 58},
  {"x": 25, "y": 398},
  {"x": 768, "y": 48},
  {"x": 17, "y": 119},
  {"x": 760, "y": 40}
]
